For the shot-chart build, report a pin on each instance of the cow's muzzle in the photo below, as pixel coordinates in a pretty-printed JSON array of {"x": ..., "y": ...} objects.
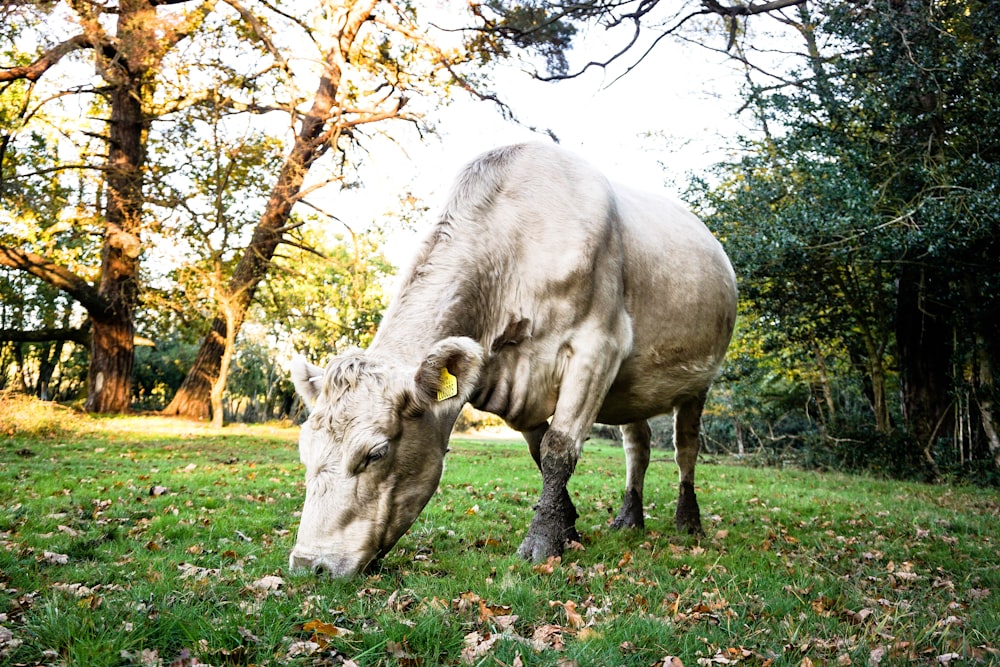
[{"x": 329, "y": 565}]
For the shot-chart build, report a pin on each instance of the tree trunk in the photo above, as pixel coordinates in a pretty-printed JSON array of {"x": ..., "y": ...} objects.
[
  {"x": 984, "y": 388},
  {"x": 19, "y": 360},
  {"x": 986, "y": 410},
  {"x": 825, "y": 389},
  {"x": 109, "y": 380},
  {"x": 194, "y": 395},
  {"x": 924, "y": 343},
  {"x": 112, "y": 349},
  {"x": 219, "y": 385},
  {"x": 876, "y": 380},
  {"x": 48, "y": 361}
]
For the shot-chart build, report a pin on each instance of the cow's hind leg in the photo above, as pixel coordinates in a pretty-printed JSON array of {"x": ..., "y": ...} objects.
[
  {"x": 687, "y": 426},
  {"x": 636, "y": 438}
]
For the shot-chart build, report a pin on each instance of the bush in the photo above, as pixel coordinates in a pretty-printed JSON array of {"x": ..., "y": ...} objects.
[{"x": 891, "y": 455}]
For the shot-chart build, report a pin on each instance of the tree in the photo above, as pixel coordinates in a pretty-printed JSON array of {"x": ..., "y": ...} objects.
[
  {"x": 320, "y": 298},
  {"x": 865, "y": 213},
  {"x": 369, "y": 63},
  {"x": 127, "y": 60},
  {"x": 36, "y": 335},
  {"x": 319, "y": 129},
  {"x": 547, "y": 29},
  {"x": 396, "y": 61}
]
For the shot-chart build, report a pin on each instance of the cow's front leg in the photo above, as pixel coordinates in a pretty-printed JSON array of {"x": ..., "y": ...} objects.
[
  {"x": 591, "y": 361},
  {"x": 534, "y": 438},
  {"x": 687, "y": 426},
  {"x": 554, "y": 523},
  {"x": 636, "y": 445}
]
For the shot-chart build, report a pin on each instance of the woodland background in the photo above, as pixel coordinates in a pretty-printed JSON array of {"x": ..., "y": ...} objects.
[{"x": 169, "y": 172}]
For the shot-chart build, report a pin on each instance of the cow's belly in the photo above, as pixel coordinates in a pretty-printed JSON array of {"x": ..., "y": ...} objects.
[
  {"x": 522, "y": 383},
  {"x": 656, "y": 376},
  {"x": 648, "y": 385}
]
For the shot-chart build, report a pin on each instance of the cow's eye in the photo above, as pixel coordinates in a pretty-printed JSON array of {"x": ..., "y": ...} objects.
[{"x": 377, "y": 453}]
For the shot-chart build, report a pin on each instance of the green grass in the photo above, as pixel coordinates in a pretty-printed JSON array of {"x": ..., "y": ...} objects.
[{"x": 144, "y": 541}]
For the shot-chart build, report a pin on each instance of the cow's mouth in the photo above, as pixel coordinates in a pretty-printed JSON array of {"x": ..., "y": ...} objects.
[{"x": 331, "y": 566}]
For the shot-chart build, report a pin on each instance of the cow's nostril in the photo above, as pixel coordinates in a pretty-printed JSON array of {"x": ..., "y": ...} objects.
[{"x": 319, "y": 569}]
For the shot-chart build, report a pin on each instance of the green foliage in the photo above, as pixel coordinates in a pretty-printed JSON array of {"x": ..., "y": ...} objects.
[
  {"x": 134, "y": 540},
  {"x": 326, "y": 296},
  {"x": 537, "y": 27},
  {"x": 868, "y": 179},
  {"x": 160, "y": 370}
]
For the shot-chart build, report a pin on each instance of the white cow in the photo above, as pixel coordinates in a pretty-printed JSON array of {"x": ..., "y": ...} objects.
[{"x": 546, "y": 295}]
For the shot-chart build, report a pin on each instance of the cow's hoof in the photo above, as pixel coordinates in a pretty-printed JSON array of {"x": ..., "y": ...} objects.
[
  {"x": 688, "y": 515},
  {"x": 630, "y": 515},
  {"x": 538, "y": 548},
  {"x": 689, "y": 525},
  {"x": 545, "y": 540}
]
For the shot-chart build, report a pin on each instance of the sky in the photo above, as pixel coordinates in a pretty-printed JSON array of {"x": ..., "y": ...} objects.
[{"x": 673, "y": 115}]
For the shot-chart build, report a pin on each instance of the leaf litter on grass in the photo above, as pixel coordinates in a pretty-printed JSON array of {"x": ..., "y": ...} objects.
[{"x": 796, "y": 571}]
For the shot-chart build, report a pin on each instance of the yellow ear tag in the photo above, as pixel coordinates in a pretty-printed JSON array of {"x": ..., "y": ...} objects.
[{"x": 448, "y": 386}]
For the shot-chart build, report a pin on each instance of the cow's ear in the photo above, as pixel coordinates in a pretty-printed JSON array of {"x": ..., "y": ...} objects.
[
  {"x": 307, "y": 379},
  {"x": 449, "y": 373}
]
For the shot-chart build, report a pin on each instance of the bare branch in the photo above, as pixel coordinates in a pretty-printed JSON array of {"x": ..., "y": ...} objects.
[
  {"x": 716, "y": 7},
  {"x": 81, "y": 335},
  {"x": 600, "y": 11},
  {"x": 262, "y": 30}
]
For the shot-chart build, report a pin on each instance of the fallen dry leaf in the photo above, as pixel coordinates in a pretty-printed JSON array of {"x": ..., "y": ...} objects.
[
  {"x": 268, "y": 583},
  {"x": 573, "y": 618},
  {"x": 476, "y": 646},
  {"x": 549, "y": 566},
  {"x": 320, "y": 628},
  {"x": 669, "y": 661},
  {"x": 400, "y": 652},
  {"x": 548, "y": 636},
  {"x": 504, "y": 622},
  {"x": 299, "y": 649}
]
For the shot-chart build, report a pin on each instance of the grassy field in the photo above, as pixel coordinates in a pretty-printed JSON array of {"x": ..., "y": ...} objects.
[{"x": 143, "y": 541}]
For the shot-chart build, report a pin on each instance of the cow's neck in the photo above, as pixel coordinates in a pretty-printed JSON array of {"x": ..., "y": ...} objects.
[{"x": 443, "y": 295}]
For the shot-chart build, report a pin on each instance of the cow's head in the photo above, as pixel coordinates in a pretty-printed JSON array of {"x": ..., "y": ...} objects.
[{"x": 374, "y": 447}]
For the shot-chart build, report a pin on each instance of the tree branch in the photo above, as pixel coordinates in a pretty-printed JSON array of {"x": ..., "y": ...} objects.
[
  {"x": 81, "y": 335},
  {"x": 604, "y": 14},
  {"x": 35, "y": 70},
  {"x": 748, "y": 10},
  {"x": 57, "y": 276}
]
